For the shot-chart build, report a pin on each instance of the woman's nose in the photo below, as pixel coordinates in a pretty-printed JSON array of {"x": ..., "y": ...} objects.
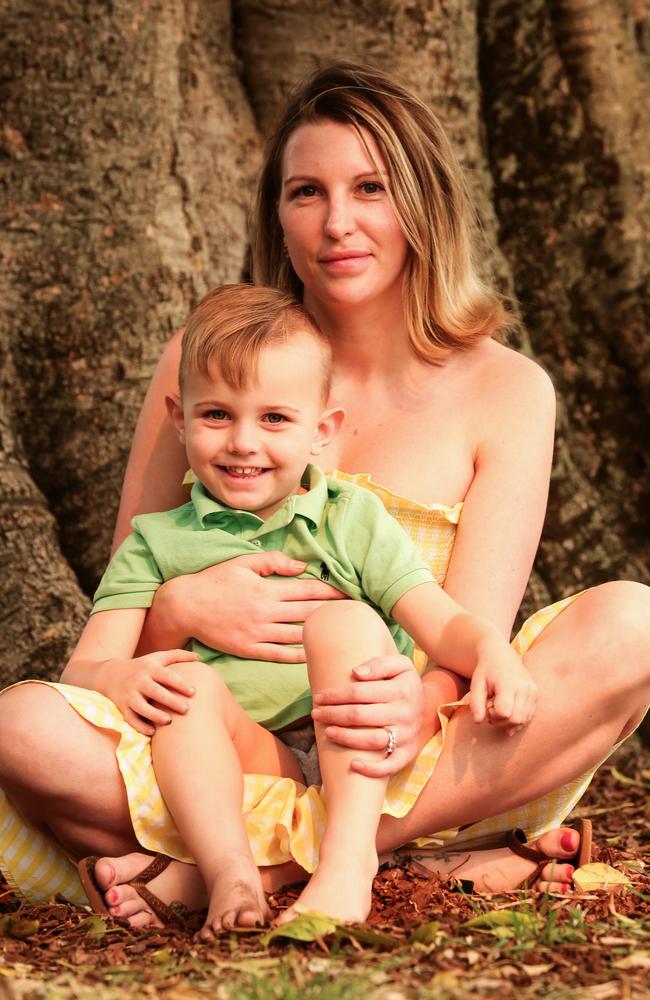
[{"x": 340, "y": 219}]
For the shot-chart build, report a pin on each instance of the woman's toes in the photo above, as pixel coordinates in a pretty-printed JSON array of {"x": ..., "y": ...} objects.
[
  {"x": 561, "y": 843},
  {"x": 557, "y": 872}
]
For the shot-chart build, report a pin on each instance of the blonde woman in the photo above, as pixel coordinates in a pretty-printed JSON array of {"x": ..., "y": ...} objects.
[{"x": 362, "y": 213}]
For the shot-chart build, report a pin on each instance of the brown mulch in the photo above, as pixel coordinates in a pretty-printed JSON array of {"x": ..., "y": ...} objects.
[{"x": 576, "y": 941}]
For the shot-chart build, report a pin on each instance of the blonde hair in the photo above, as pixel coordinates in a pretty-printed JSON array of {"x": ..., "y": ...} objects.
[
  {"x": 232, "y": 325},
  {"x": 448, "y": 306}
]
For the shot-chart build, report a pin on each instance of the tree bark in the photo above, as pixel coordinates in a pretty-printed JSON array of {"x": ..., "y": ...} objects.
[{"x": 131, "y": 138}]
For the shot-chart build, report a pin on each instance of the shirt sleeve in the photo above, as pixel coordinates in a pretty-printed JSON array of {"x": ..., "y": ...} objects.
[
  {"x": 387, "y": 561},
  {"x": 131, "y": 579}
]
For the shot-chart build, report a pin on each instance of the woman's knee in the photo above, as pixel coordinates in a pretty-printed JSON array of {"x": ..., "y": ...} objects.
[
  {"x": 619, "y": 612},
  {"x": 34, "y": 726}
]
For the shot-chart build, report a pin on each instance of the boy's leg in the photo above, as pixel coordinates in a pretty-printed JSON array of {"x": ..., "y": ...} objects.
[
  {"x": 338, "y": 637},
  {"x": 198, "y": 761}
]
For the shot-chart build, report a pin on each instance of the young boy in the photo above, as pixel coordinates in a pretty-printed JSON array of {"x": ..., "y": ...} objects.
[{"x": 254, "y": 383}]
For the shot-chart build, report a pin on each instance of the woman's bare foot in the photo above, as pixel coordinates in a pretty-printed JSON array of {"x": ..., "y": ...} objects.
[
  {"x": 341, "y": 887},
  {"x": 177, "y": 883},
  {"x": 236, "y": 897},
  {"x": 500, "y": 870}
]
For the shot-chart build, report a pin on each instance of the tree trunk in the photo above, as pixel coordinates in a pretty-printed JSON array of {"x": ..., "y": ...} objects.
[{"x": 131, "y": 139}]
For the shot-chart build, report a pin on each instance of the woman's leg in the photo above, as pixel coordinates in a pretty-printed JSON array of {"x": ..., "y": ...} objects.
[
  {"x": 198, "y": 763},
  {"x": 592, "y": 667},
  {"x": 338, "y": 637}
]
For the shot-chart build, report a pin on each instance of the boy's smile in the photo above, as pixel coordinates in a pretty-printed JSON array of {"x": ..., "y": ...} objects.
[{"x": 250, "y": 446}]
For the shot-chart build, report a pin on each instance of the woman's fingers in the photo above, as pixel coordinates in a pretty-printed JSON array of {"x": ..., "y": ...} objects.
[{"x": 277, "y": 652}]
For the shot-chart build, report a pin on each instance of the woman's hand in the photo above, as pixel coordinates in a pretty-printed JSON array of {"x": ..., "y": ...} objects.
[
  {"x": 387, "y": 692},
  {"x": 233, "y": 608}
]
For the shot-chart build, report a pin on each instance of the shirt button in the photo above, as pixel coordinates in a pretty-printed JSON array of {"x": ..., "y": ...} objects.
[{"x": 257, "y": 542}]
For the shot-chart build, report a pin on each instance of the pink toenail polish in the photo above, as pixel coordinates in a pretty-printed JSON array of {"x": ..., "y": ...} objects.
[
  {"x": 111, "y": 896},
  {"x": 566, "y": 888},
  {"x": 566, "y": 840},
  {"x": 569, "y": 871}
]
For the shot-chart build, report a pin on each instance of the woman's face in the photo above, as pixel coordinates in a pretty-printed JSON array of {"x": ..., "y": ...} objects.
[{"x": 341, "y": 231}]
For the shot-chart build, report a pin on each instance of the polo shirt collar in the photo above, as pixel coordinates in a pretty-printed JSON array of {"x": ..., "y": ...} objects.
[{"x": 309, "y": 505}]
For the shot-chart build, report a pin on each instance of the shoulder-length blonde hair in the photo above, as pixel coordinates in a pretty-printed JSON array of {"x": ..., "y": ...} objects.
[{"x": 448, "y": 306}]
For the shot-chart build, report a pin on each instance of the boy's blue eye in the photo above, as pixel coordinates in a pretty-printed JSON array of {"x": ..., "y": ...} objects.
[
  {"x": 275, "y": 418},
  {"x": 217, "y": 415}
]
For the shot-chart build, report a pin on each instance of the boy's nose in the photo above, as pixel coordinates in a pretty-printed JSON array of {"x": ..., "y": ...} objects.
[{"x": 243, "y": 441}]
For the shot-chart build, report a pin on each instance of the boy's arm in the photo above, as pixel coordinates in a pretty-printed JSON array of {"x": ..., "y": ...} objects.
[
  {"x": 502, "y": 688},
  {"x": 144, "y": 689}
]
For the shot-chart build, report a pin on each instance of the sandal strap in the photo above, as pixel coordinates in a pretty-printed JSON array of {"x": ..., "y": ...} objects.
[
  {"x": 158, "y": 865},
  {"x": 517, "y": 842},
  {"x": 162, "y": 910}
]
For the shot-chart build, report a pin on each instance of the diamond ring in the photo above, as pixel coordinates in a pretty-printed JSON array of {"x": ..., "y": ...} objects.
[{"x": 392, "y": 741}]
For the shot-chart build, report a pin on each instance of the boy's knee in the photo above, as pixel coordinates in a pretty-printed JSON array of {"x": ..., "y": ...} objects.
[
  {"x": 205, "y": 680},
  {"x": 345, "y": 619}
]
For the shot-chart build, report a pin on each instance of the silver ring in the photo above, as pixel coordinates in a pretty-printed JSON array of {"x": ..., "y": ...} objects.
[{"x": 392, "y": 741}]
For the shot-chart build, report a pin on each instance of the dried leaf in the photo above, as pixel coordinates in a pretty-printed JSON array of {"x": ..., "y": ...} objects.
[
  {"x": 597, "y": 875},
  {"x": 537, "y": 970},
  {"x": 303, "y": 927},
  {"x": 14, "y": 927},
  {"x": 624, "y": 779},
  {"x": 94, "y": 927},
  {"x": 637, "y": 960}
]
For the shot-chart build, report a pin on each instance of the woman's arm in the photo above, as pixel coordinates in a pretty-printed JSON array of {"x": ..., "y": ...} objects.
[
  {"x": 157, "y": 462},
  {"x": 513, "y": 423}
]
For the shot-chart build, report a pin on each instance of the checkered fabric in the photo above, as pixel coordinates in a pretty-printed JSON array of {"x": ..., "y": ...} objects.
[{"x": 284, "y": 820}]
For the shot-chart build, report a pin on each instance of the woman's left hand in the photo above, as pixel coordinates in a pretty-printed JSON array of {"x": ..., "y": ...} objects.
[{"x": 386, "y": 693}]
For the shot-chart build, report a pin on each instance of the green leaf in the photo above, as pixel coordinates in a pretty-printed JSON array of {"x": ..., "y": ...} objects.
[
  {"x": 303, "y": 927},
  {"x": 367, "y": 936},
  {"x": 425, "y": 933},
  {"x": 14, "y": 927},
  {"x": 501, "y": 918},
  {"x": 597, "y": 875},
  {"x": 94, "y": 927}
]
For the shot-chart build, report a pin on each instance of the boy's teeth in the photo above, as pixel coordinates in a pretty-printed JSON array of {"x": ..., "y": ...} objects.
[{"x": 247, "y": 471}]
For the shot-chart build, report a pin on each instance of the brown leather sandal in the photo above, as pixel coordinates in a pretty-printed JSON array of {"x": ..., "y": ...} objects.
[
  {"x": 163, "y": 911},
  {"x": 516, "y": 841}
]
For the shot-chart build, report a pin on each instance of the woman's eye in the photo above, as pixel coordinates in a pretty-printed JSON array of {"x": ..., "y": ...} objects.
[
  {"x": 305, "y": 191},
  {"x": 371, "y": 187},
  {"x": 275, "y": 418}
]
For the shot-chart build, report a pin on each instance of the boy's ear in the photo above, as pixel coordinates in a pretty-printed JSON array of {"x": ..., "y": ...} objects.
[
  {"x": 327, "y": 428},
  {"x": 175, "y": 411}
]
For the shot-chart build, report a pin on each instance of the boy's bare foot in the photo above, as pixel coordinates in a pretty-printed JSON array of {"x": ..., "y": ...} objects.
[
  {"x": 500, "y": 870},
  {"x": 177, "y": 883},
  {"x": 236, "y": 897},
  {"x": 341, "y": 887}
]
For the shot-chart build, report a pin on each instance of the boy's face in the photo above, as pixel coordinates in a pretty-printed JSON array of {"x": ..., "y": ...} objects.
[{"x": 249, "y": 447}]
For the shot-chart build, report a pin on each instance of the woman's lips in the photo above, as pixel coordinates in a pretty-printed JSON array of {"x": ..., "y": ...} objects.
[{"x": 345, "y": 263}]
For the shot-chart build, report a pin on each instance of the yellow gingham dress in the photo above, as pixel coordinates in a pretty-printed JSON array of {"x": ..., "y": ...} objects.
[{"x": 284, "y": 820}]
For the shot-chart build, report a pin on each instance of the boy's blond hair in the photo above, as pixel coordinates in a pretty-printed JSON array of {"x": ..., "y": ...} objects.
[{"x": 232, "y": 325}]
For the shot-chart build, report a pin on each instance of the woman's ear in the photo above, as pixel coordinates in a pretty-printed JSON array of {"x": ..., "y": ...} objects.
[
  {"x": 327, "y": 429},
  {"x": 175, "y": 411}
]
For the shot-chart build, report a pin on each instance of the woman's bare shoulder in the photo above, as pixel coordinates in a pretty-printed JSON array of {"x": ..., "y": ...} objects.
[{"x": 502, "y": 373}]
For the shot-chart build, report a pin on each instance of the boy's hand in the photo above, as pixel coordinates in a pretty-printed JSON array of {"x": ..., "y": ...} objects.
[
  {"x": 147, "y": 688},
  {"x": 502, "y": 690}
]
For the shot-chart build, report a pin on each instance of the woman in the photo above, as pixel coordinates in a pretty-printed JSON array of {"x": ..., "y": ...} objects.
[{"x": 362, "y": 213}]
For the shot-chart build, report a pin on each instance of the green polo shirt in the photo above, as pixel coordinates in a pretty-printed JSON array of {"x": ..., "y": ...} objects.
[{"x": 343, "y": 533}]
